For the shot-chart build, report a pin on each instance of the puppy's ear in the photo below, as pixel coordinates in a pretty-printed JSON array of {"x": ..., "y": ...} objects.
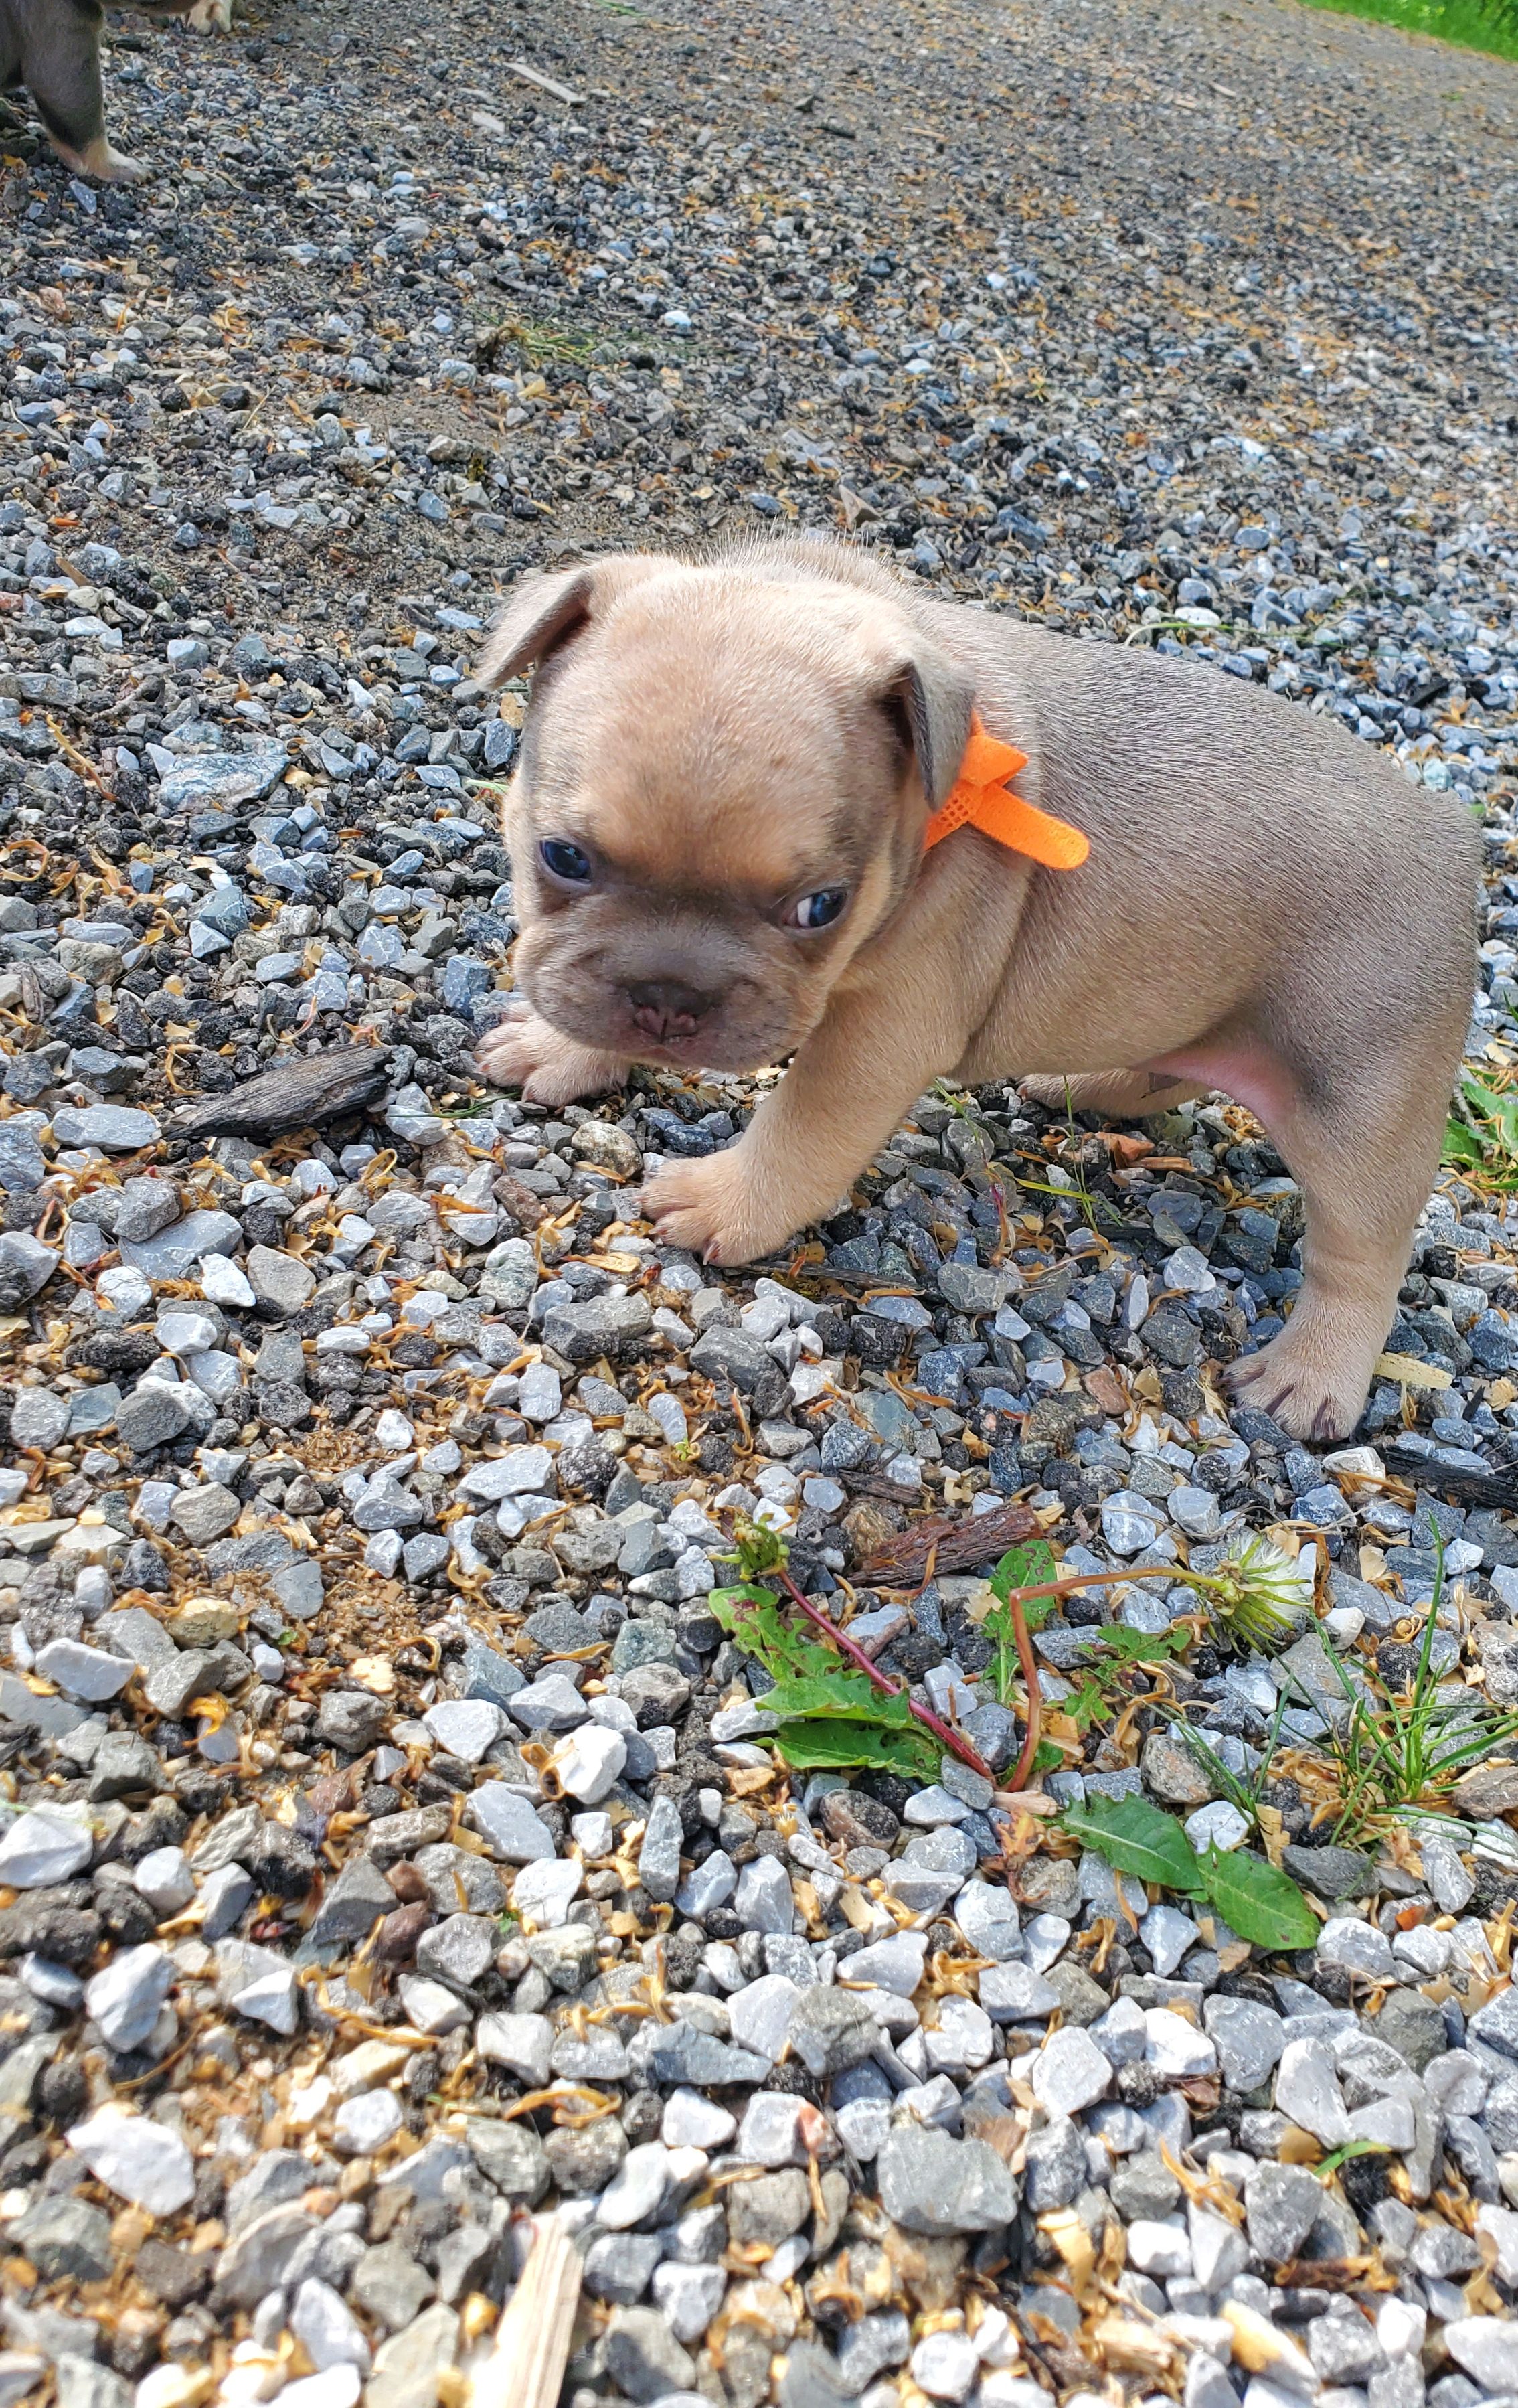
[
  {"x": 929, "y": 703},
  {"x": 544, "y": 613}
]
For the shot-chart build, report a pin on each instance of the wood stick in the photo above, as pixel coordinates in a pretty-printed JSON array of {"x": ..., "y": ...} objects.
[{"x": 525, "y": 2369}]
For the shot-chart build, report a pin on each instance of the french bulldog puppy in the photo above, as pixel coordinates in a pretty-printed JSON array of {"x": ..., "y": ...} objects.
[
  {"x": 728, "y": 772},
  {"x": 53, "y": 48}
]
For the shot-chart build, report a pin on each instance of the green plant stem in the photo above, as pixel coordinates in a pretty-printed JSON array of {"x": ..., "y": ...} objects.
[{"x": 882, "y": 1680}]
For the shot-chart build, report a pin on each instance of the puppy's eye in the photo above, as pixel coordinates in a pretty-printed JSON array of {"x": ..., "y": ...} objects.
[
  {"x": 564, "y": 860},
  {"x": 821, "y": 909}
]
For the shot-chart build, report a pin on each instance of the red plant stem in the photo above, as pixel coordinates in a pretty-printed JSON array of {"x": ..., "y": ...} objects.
[
  {"x": 855, "y": 1654},
  {"x": 1031, "y": 1690},
  {"x": 1016, "y": 1600}
]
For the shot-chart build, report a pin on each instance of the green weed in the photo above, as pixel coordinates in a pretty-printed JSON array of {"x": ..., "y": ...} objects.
[
  {"x": 1481, "y": 1136},
  {"x": 1490, "y": 26},
  {"x": 1393, "y": 1753}
]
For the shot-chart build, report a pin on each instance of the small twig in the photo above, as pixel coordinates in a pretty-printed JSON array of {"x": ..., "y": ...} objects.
[
  {"x": 882, "y": 1680},
  {"x": 525, "y": 2369}
]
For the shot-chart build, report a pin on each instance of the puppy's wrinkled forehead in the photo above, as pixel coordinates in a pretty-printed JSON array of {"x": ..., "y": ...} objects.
[{"x": 697, "y": 730}]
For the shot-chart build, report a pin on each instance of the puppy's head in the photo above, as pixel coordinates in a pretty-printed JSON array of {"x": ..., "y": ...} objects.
[{"x": 724, "y": 781}]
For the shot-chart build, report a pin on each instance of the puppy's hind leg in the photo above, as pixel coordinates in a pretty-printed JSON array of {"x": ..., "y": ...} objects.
[
  {"x": 1124, "y": 1095},
  {"x": 1364, "y": 1162}
]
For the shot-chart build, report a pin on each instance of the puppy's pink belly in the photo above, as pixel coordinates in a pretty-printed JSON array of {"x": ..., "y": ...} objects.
[{"x": 1252, "y": 1077}]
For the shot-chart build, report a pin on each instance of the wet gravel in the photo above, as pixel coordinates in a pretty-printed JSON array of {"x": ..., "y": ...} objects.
[{"x": 390, "y": 1844}]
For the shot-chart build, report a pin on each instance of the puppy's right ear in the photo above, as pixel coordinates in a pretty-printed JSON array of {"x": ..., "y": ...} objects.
[{"x": 544, "y": 612}]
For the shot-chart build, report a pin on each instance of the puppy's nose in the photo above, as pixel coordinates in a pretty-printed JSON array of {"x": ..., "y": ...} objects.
[{"x": 667, "y": 1008}]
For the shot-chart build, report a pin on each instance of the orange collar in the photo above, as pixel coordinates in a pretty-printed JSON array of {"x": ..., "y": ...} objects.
[{"x": 978, "y": 797}]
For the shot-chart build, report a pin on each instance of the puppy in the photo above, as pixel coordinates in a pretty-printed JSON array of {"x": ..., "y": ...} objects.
[
  {"x": 730, "y": 770},
  {"x": 53, "y": 48}
]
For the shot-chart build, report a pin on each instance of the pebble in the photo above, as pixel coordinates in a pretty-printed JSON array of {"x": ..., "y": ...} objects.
[{"x": 143, "y": 2162}]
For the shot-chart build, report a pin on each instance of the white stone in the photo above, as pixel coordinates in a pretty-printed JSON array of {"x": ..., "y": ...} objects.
[
  {"x": 593, "y": 1835},
  {"x": 1219, "y": 1825},
  {"x": 1484, "y": 2345},
  {"x": 688, "y": 2296},
  {"x": 465, "y": 1727},
  {"x": 124, "y": 1996},
  {"x": 222, "y": 1282},
  {"x": 1219, "y": 2250},
  {"x": 142, "y": 2161},
  {"x": 588, "y": 1762},
  {"x": 1175, "y": 2046},
  {"x": 1159, "y": 2248},
  {"x": 1401, "y": 2327},
  {"x": 336, "y": 2387},
  {"x": 541, "y": 1893},
  {"x": 80, "y": 1671},
  {"x": 769, "y": 2134},
  {"x": 988, "y": 1918},
  {"x": 692, "y": 2121},
  {"x": 44, "y": 1846},
  {"x": 364, "y": 2123},
  {"x": 945, "y": 2366},
  {"x": 894, "y": 1964},
  {"x": 165, "y": 1879},
  {"x": 761, "y": 2013},
  {"x": 330, "y": 2332},
  {"x": 429, "y": 2007},
  {"x": 962, "y": 2040},
  {"x": 1069, "y": 2072},
  {"x": 1500, "y": 2225},
  {"x": 637, "y": 2189},
  {"x": 273, "y": 1999},
  {"x": 1355, "y": 1947},
  {"x": 1168, "y": 1934},
  {"x": 1307, "y": 2090},
  {"x": 523, "y": 2044},
  {"x": 1121, "y": 2033}
]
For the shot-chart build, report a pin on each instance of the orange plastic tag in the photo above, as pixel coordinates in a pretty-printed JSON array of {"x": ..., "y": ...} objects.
[{"x": 979, "y": 798}]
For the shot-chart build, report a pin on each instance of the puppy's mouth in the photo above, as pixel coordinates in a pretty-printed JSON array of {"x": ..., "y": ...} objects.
[{"x": 721, "y": 1039}]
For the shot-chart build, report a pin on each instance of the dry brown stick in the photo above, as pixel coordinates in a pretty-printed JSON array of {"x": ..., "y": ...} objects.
[{"x": 525, "y": 2369}]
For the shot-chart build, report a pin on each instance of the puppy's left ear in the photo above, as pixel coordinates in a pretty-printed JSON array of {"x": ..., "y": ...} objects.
[
  {"x": 929, "y": 703},
  {"x": 544, "y": 612}
]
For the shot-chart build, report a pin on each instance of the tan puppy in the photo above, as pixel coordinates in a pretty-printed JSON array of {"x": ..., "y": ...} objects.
[{"x": 717, "y": 833}]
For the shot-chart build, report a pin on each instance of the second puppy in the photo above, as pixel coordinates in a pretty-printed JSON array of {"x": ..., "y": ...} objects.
[{"x": 51, "y": 48}]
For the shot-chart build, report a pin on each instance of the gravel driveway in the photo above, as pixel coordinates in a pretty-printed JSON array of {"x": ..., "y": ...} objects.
[{"x": 393, "y": 1834}]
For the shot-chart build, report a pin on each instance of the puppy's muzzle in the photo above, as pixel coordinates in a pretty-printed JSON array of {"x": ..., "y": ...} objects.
[{"x": 666, "y": 1008}]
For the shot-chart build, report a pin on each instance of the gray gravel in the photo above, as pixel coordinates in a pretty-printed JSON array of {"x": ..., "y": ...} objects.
[{"x": 373, "y": 1757}]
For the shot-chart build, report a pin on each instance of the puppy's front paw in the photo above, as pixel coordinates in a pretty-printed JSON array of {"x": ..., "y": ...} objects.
[
  {"x": 708, "y": 1207},
  {"x": 527, "y": 1051},
  {"x": 210, "y": 17},
  {"x": 1316, "y": 1393}
]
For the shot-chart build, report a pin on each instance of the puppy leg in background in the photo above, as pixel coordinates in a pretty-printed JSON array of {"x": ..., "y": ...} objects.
[
  {"x": 847, "y": 1090},
  {"x": 1126, "y": 1094},
  {"x": 524, "y": 1051},
  {"x": 1366, "y": 1167},
  {"x": 61, "y": 71},
  {"x": 209, "y": 16}
]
